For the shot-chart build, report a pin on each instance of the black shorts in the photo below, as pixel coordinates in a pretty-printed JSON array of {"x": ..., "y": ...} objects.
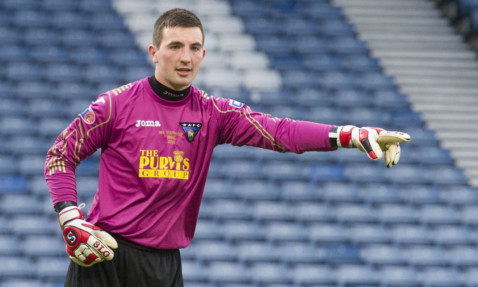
[{"x": 132, "y": 266}]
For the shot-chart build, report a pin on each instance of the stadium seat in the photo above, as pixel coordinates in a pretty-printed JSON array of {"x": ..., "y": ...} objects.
[
  {"x": 440, "y": 276},
  {"x": 311, "y": 212},
  {"x": 20, "y": 204},
  {"x": 410, "y": 234},
  {"x": 327, "y": 233},
  {"x": 193, "y": 272},
  {"x": 9, "y": 245},
  {"x": 285, "y": 232},
  {"x": 271, "y": 211},
  {"x": 382, "y": 255},
  {"x": 227, "y": 272},
  {"x": 369, "y": 234},
  {"x": 398, "y": 276},
  {"x": 342, "y": 253},
  {"x": 293, "y": 253},
  {"x": 16, "y": 266},
  {"x": 8, "y": 165},
  {"x": 314, "y": 275},
  {"x": 41, "y": 246},
  {"x": 269, "y": 273},
  {"x": 215, "y": 250},
  {"x": 392, "y": 213},
  {"x": 13, "y": 184},
  {"x": 256, "y": 251},
  {"x": 357, "y": 275},
  {"x": 52, "y": 267}
]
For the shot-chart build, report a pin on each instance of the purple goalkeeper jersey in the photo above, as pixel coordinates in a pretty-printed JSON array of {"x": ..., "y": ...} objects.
[{"x": 155, "y": 156}]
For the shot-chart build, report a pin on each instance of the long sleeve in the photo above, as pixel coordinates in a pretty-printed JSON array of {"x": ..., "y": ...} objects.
[
  {"x": 86, "y": 133},
  {"x": 243, "y": 126}
]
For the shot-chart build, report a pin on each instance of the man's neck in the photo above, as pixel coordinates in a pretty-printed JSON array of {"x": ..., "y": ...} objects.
[{"x": 167, "y": 93}]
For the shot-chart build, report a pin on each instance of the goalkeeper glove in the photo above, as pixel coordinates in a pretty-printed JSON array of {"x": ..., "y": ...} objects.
[
  {"x": 86, "y": 244},
  {"x": 372, "y": 141}
]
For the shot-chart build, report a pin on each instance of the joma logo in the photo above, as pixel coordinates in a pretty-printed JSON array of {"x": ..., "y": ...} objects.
[{"x": 140, "y": 123}]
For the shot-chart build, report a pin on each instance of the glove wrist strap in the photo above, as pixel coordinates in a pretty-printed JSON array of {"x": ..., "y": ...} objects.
[
  {"x": 68, "y": 214},
  {"x": 334, "y": 136}
]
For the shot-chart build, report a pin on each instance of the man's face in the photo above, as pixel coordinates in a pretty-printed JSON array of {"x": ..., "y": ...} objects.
[{"x": 178, "y": 57}]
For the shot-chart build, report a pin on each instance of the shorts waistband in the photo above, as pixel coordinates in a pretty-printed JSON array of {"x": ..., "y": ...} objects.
[{"x": 129, "y": 243}]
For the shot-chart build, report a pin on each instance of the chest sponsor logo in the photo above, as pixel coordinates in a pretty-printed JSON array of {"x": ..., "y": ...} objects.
[
  {"x": 191, "y": 130},
  {"x": 140, "y": 123},
  {"x": 151, "y": 164}
]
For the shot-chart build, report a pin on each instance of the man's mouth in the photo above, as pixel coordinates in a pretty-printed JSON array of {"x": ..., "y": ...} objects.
[{"x": 183, "y": 71}]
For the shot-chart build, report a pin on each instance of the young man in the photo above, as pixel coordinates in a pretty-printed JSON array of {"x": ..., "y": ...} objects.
[{"x": 157, "y": 136}]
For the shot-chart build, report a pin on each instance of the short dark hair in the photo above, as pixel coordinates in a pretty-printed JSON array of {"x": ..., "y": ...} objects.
[{"x": 175, "y": 18}]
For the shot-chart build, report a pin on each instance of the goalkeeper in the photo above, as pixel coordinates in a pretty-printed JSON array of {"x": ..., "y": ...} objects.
[{"x": 157, "y": 136}]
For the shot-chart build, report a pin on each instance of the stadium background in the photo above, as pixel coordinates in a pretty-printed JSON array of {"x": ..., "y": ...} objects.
[{"x": 267, "y": 219}]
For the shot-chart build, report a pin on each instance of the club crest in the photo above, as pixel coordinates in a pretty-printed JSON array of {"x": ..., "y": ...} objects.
[
  {"x": 88, "y": 116},
  {"x": 191, "y": 130}
]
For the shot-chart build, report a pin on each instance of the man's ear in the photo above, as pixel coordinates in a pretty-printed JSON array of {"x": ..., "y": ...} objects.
[{"x": 152, "y": 53}]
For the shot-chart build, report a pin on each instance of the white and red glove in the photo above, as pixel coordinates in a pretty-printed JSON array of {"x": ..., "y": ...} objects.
[
  {"x": 373, "y": 141},
  {"x": 86, "y": 244}
]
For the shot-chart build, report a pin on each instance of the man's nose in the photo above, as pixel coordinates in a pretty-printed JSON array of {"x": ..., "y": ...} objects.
[{"x": 186, "y": 55}]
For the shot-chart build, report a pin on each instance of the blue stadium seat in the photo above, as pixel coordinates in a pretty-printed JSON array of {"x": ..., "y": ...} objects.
[
  {"x": 349, "y": 213},
  {"x": 284, "y": 232},
  {"x": 13, "y": 52},
  {"x": 323, "y": 63},
  {"x": 20, "y": 204},
  {"x": 420, "y": 256},
  {"x": 327, "y": 233},
  {"x": 9, "y": 245},
  {"x": 406, "y": 174},
  {"x": 215, "y": 250},
  {"x": 42, "y": 38},
  {"x": 419, "y": 194},
  {"x": 352, "y": 98},
  {"x": 52, "y": 127},
  {"x": 353, "y": 275},
  {"x": 293, "y": 253},
  {"x": 75, "y": 38},
  {"x": 262, "y": 27},
  {"x": 337, "y": 28},
  {"x": 410, "y": 234},
  {"x": 118, "y": 38},
  {"x": 59, "y": 6},
  {"x": 10, "y": 35},
  {"x": 87, "y": 183},
  {"x": 270, "y": 211},
  {"x": 360, "y": 64},
  {"x": 22, "y": 145},
  {"x": 240, "y": 169},
  {"x": 40, "y": 246},
  {"x": 20, "y": 70},
  {"x": 255, "y": 190},
  {"x": 27, "y": 224},
  {"x": 369, "y": 234},
  {"x": 269, "y": 273},
  {"x": 382, "y": 254},
  {"x": 390, "y": 99},
  {"x": 34, "y": 90},
  {"x": 440, "y": 276},
  {"x": 313, "y": 212},
  {"x": 346, "y": 46},
  {"x": 256, "y": 251},
  {"x": 31, "y": 18},
  {"x": 92, "y": 55},
  {"x": 366, "y": 172},
  {"x": 446, "y": 175},
  {"x": 342, "y": 253},
  {"x": 392, "y": 213},
  {"x": 339, "y": 192},
  {"x": 327, "y": 172},
  {"x": 93, "y": 6},
  {"x": 314, "y": 275},
  {"x": 15, "y": 266},
  {"x": 8, "y": 165},
  {"x": 218, "y": 188},
  {"x": 452, "y": 235},
  {"x": 459, "y": 195},
  {"x": 193, "y": 271},
  {"x": 24, "y": 283},
  {"x": 438, "y": 214},
  {"x": 398, "y": 276},
  {"x": 333, "y": 80},
  {"x": 294, "y": 79},
  {"x": 295, "y": 26},
  {"x": 50, "y": 54},
  {"x": 312, "y": 45},
  {"x": 64, "y": 72},
  {"x": 52, "y": 267},
  {"x": 298, "y": 191},
  {"x": 463, "y": 256},
  {"x": 227, "y": 272},
  {"x": 229, "y": 209},
  {"x": 13, "y": 184},
  {"x": 378, "y": 193}
]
